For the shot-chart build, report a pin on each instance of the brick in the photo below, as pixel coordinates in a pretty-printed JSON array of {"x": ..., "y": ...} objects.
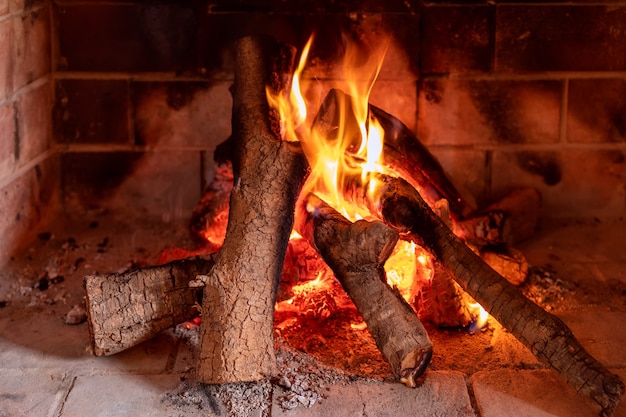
[
  {"x": 457, "y": 38},
  {"x": 573, "y": 183},
  {"x": 161, "y": 184},
  {"x": 6, "y": 58},
  {"x": 398, "y": 99},
  {"x": 316, "y": 6},
  {"x": 601, "y": 333},
  {"x": 31, "y": 392},
  {"x": 185, "y": 114},
  {"x": 32, "y": 47},
  {"x": 466, "y": 112},
  {"x": 596, "y": 111},
  {"x": 19, "y": 5},
  {"x": 34, "y": 123},
  {"x": 7, "y": 143},
  {"x": 127, "y": 37},
  {"x": 19, "y": 213},
  {"x": 560, "y": 38},
  {"x": 468, "y": 171},
  {"x": 91, "y": 111},
  {"x": 95, "y": 176},
  {"x": 519, "y": 393},
  {"x": 442, "y": 393}
]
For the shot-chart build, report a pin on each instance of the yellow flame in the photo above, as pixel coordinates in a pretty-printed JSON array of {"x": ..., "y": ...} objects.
[
  {"x": 476, "y": 310},
  {"x": 352, "y": 152}
]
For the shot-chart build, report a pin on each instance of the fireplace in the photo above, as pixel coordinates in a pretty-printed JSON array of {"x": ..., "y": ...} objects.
[{"x": 112, "y": 112}]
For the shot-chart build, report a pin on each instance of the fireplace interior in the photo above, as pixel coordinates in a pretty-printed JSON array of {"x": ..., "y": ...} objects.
[{"x": 111, "y": 114}]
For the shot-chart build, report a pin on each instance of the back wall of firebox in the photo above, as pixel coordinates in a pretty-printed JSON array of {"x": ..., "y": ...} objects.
[{"x": 122, "y": 103}]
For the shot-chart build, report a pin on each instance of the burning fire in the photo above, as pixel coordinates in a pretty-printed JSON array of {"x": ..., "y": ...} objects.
[
  {"x": 348, "y": 153},
  {"x": 346, "y": 156}
]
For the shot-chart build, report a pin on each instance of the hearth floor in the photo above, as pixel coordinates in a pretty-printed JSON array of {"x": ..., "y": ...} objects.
[{"x": 47, "y": 369}]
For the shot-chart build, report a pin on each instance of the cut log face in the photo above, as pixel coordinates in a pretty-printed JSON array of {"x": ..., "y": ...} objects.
[{"x": 236, "y": 334}]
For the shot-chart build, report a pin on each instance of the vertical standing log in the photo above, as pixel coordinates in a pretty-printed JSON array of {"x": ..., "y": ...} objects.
[{"x": 239, "y": 294}]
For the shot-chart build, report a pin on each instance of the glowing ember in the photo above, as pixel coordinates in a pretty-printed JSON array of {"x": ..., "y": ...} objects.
[{"x": 339, "y": 159}]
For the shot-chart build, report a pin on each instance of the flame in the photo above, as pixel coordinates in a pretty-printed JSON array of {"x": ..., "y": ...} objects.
[
  {"x": 349, "y": 154},
  {"x": 407, "y": 268},
  {"x": 480, "y": 314}
]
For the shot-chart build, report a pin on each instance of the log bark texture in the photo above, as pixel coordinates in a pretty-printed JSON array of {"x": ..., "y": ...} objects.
[
  {"x": 356, "y": 253},
  {"x": 238, "y": 304},
  {"x": 548, "y": 338},
  {"x": 126, "y": 309},
  {"x": 403, "y": 151}
]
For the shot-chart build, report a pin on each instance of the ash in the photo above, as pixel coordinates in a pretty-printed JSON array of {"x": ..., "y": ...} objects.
[
  {"x": 543, "y": 287},
  {"x": 300, "y": 381}
]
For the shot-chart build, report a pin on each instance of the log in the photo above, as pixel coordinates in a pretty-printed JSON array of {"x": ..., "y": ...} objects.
[
  {"x": 356, "y": 253},
  {"x": 510, "y": 220},
  {"x": 236, "y": 335},
  {"x": 403, "y": 151},
  {"x": 128, "y": 308},
  {"x": 547, "y": 336}
]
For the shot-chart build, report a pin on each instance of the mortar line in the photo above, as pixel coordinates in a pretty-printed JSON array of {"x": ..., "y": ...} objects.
[
  {"x": 23, "y": 170},
  {"x": 472, "y": 397},
  {"x": 25, "y": 89},
  {"x": 138, "y": 76},
  {"x": 22, "y": 13},
  {"x": 59, "y": 409}
]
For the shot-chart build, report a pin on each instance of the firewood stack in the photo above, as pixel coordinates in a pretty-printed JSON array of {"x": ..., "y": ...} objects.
[{"x": 239, "y": 290}]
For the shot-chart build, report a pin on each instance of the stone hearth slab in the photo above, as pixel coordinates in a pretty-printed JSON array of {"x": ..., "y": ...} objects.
[
  {"x": 602, "y": 333},
  {"x": 532, "y": 393},
  {"x": 443, "y": 393},
  {"x": 30, "y": 392},
  {"x": 125, "y": 396}
]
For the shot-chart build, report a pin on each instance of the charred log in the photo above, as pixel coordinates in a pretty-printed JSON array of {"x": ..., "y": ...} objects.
[{"x": 356, "y": 253}]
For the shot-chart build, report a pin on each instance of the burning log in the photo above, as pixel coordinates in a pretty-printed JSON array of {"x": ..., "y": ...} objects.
[
  {"x": 127, "y": 308},
  {"x": 548, "y": 338},
  {"x": 403, "y": 151},
  {"x": 356, "y": 252},
  {"x": 237, "y": 329}
]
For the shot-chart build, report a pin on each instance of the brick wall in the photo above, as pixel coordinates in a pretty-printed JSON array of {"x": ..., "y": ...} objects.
[
  {"x": 529, "y": 94},
  {"x": 505, "y": 94},
  {"x": 28, "y": 170}
]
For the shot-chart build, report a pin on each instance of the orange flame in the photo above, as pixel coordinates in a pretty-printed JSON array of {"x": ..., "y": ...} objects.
[{"x": 333, "y": 161}]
